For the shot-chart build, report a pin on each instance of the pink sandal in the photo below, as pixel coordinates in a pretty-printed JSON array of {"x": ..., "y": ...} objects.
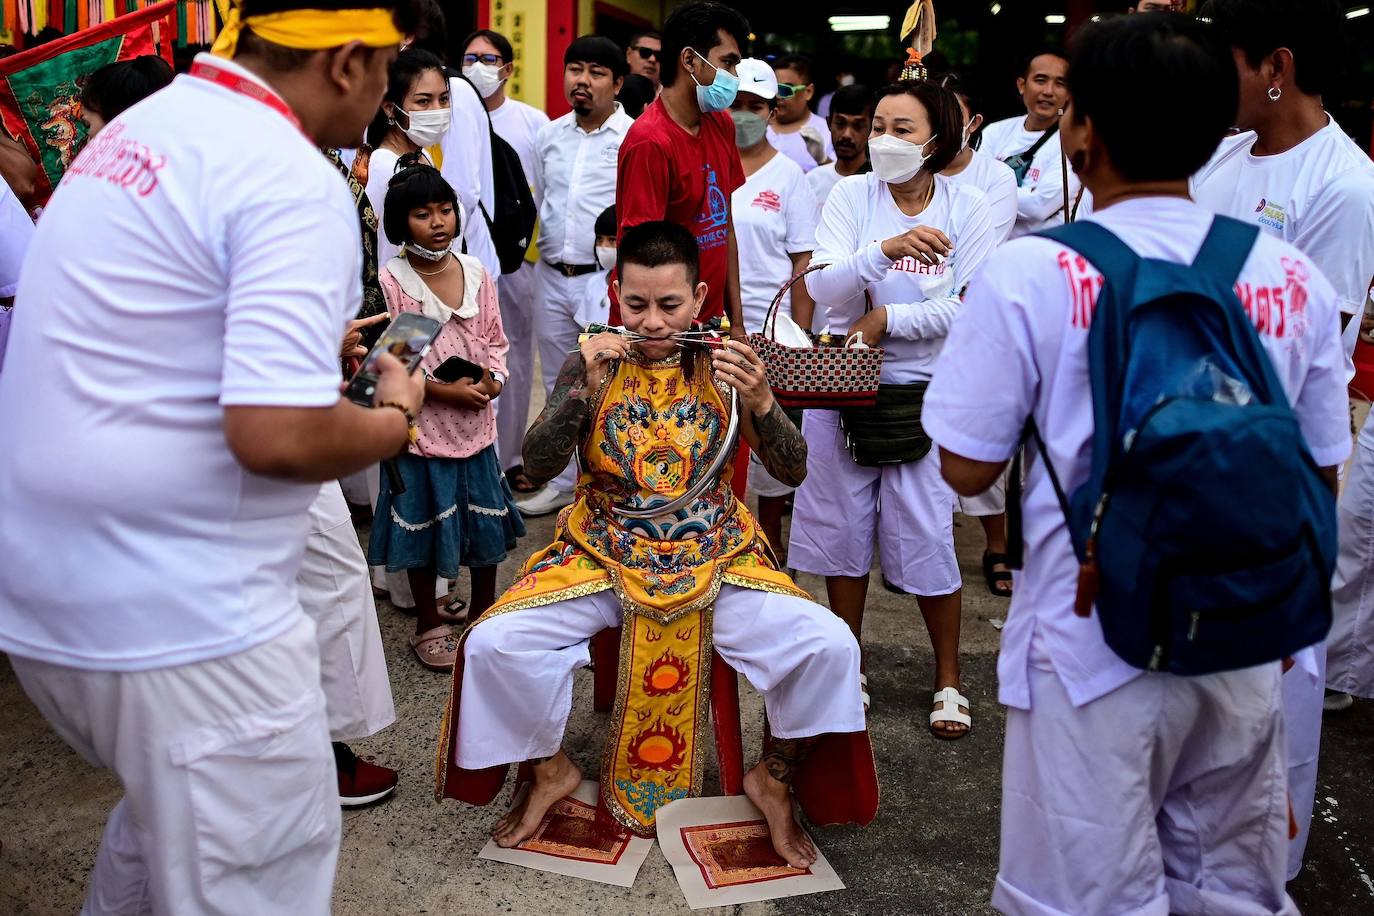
[{"x": 437, "y": 649}]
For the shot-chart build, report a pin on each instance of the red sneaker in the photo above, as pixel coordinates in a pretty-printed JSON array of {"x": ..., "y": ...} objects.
[{"x": 360, "y": 782}]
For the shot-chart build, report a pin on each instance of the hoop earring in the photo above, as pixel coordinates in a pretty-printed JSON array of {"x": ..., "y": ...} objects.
[{"x": 1275, "y": 93}]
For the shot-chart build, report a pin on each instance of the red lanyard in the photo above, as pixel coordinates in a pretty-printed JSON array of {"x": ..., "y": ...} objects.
[{"x": 235, "y": 83}]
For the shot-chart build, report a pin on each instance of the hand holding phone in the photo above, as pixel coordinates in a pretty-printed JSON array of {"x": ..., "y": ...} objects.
[
  {"x": 407, "y": 339},
  {"x": 397, "y": 385}
]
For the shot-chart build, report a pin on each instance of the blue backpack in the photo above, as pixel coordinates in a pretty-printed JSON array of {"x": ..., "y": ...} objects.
[{"x": 1205, "y": 534}]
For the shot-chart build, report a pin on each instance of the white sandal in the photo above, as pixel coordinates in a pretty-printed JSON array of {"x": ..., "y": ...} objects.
[
  {"x": 863, "y": 690},
  {"x": 947, "y": 703}
]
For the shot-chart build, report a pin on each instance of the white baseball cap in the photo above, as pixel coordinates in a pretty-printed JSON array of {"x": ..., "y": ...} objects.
[{"x": 757, "y": 78}]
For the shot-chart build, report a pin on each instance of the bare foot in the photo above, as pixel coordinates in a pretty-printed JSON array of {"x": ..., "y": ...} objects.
[
  {"x": 774, "y": 799},
  {"x": 553, "y": 779}
]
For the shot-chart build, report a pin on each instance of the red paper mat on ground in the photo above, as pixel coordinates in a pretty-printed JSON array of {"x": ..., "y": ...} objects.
[{"x": 40, "y": 89}]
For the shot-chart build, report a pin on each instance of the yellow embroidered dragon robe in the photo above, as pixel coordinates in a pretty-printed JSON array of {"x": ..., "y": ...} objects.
[{"x": 653, "y": 433}]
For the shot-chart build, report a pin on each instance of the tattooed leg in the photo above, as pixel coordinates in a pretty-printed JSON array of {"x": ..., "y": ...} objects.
[
  {"x": 558, "y": 430},
  {"x": 554, "y": 778},
  {"x": 769, "y": 787},
  {"x": 781, "y": 447}
]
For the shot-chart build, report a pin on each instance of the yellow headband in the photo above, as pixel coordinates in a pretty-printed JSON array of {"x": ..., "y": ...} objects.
[{"x": 312, "y": 30}]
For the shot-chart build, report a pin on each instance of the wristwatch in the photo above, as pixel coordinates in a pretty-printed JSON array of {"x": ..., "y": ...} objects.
[{"x": 500, "y": 377}]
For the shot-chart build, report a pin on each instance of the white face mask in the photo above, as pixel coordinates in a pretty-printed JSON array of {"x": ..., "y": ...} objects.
[
  {"x": 428, "y": 254},
  {"x": 605, "y": 256},
  {"x": 895, "y": 160},
  {"x": 428, "y": 127},
  {"x": 486, "y": 77}
]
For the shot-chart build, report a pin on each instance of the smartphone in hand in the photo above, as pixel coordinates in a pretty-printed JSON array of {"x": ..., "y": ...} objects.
[{"x": 408, "y": 338}]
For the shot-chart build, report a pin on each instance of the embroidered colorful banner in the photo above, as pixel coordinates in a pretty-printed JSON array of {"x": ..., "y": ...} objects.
[{"x": 40, "y": 89}]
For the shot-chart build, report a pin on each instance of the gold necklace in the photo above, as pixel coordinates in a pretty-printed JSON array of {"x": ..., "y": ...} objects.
[{"x": 432, "y": 273}]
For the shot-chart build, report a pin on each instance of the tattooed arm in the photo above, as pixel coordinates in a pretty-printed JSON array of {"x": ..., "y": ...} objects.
[
  {"x": 550, "y": 442},
  {"x": 781, "y": 447}
]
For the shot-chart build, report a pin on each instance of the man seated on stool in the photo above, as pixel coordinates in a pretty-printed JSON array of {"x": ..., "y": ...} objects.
[{"x": 647, "y": 415}]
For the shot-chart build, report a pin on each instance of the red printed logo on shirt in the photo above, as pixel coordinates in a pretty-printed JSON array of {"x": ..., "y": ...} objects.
[
  {"x": 1275, "y": 311},
  {"x": 768, "y": 200},
  {"x": 122, "y": 162}
]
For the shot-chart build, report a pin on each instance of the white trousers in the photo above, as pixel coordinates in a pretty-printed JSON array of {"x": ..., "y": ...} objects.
[
  {"x": 336, "y": 592},
  {"x": 1350, "y": 646},
  {"x": 230, "y": 800},
  {"x": 1165, "y": 796},
  {"x": 519, "y": 301},
  {"x": 556, "y": 331},
  {"x": 1303, "y": 692},
  {"x": 394, "y": 582},
  {"x": 841, "y": 509},
  {"x": 518, "y": 670}
]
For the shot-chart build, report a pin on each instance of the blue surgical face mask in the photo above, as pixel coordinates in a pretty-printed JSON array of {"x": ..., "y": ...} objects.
[{"x": 720, "y": 94}]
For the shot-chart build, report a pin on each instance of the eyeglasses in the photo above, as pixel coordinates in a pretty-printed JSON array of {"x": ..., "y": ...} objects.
[
  {"x": 645, "y": 53},
  {"x": 483, "y": 58},
  {"x": 787, "y": 90}
]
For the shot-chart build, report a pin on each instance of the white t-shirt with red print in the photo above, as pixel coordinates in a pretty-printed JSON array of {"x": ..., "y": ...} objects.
[
  {"x": 1027, "y": 314},
  {"x": 775, "y": 214}
]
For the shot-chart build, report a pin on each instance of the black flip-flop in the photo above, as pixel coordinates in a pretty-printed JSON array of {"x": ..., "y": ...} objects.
[{"x": 999, "y": 582}]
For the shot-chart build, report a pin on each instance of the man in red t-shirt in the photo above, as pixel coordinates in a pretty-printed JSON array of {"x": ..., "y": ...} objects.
[{"x": 679, "y": 161}]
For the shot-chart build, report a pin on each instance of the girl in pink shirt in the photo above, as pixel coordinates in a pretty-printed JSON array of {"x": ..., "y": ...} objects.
[{"x": 456, "y": 509}]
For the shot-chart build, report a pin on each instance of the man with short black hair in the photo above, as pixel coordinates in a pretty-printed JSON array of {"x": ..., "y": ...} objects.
[
  {"x": 1296, "y": 174},
  {"x": 679, "y": 161},
  {"x": 850, "y": 123},
  {"x": 642, "y": 54},
  {"x": 1144, "y": 791},
  {"x": 678, "y": 590},
  {"x": 574, "y": 179},
  {"x": 1030, "y": 144},
  {"x": 171, "y": 406}
]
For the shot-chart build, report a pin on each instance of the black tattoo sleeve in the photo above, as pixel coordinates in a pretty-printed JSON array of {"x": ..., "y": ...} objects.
[
  {"x": 784, "y": 757},
  {"x": 557, "y": 432},
  {"x": 781, "y": 447}
]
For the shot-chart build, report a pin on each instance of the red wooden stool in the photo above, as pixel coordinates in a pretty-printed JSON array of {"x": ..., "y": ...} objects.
[{"x": 724, "y": 705}]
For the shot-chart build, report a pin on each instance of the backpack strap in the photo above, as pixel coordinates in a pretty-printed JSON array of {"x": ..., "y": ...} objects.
[
  {"x": 1016, "y": 536},
  {"x": 1119, "y": 266},
  {"x": 1226, "y": 249},
  {"x": 1221, "y": 258}
]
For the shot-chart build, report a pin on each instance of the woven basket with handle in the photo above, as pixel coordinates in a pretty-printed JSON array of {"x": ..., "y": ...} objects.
[{"x": 820, "y": 377}]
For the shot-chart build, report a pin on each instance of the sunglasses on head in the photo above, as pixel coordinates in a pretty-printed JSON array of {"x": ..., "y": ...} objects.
[
  {"x": 787, "y": 90},
  {"x": 483, "y": 58},
  {"x": 645, "y": 53}
]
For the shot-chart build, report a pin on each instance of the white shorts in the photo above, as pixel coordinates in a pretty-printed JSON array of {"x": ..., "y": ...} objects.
[
  {"x": 518, "y": 670},
  {"x": 992, "y": 501},
  {"x": 842, "y": 508},
  {"x": 231, "y": 801},
  {"x": 1166, "y": 795}
]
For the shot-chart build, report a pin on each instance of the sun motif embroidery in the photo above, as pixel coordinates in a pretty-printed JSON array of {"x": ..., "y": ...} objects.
[
  {"x": 661, "y": 748},
  {"x": 668, "y": 674}
]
